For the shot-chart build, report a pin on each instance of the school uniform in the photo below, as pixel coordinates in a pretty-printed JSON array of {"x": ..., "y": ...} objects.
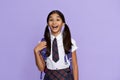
[{"x": 59, "y": 70}]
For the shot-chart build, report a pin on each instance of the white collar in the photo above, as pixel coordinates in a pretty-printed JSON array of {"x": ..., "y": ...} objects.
[{"x": 59, "y": 36}]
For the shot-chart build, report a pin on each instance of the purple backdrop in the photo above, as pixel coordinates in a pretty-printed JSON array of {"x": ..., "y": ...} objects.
[{"x": 94, "y": 24}]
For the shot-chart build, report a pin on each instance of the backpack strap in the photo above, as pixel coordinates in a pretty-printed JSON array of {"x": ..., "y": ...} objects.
[
  {"x": 69, "y": 56},
  {"x": 43, "y": 53},
  {"x": 41, "y": 76}
]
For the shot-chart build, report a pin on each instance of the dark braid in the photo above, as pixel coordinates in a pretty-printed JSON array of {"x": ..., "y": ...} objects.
[
  {"x": 67, "y": 39},
  {"x": 47, "y": 38}
]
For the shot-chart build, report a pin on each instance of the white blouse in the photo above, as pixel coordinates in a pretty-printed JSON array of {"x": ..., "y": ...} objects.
[{"x": 60, "y": 64}]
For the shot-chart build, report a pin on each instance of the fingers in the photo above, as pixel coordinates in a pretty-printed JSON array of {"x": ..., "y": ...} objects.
[
  {"x": 43, "y": 42},
  {"x": 44, "y": 46},
  {"x": 41, "y": 45}
]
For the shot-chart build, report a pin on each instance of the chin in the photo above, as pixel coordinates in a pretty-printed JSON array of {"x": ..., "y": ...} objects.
[{"x": 55, "y": 31}]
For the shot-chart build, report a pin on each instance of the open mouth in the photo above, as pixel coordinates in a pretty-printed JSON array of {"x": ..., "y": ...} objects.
[{"x": 54, "y": 27}]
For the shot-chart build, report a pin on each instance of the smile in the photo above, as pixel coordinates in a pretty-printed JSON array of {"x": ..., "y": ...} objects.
[{"x": 54, "y": 27}]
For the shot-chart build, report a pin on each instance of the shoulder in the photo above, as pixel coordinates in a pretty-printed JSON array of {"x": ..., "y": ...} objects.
[
  {"x": 73, "y": 41},
  {"x": 74, "y": 45},
  {"x": 42, "y": 39}
]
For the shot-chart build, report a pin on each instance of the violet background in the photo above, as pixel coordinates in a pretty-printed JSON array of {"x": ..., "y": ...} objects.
[{"x": 94, "y": 24}]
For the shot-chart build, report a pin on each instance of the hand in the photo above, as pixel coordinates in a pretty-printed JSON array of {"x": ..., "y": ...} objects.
[{"x": 40, "y": 46}]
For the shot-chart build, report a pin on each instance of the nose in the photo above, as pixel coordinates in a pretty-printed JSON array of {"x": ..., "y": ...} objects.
[{"x": 54, "y": 22}]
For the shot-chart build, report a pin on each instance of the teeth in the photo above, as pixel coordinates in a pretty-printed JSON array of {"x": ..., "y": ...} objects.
[{"x": 55, "y": 26}]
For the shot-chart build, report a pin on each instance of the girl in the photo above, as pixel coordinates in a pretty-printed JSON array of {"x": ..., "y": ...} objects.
[{"x": 58, "y": 44}]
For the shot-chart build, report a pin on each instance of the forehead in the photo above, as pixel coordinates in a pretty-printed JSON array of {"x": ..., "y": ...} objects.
[{"x": 54, "y": 15}]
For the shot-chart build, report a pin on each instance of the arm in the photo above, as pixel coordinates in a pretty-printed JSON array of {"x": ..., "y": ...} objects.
[
  {"x": 40, "y": 63},
  {"x": 75, "y": 65}
]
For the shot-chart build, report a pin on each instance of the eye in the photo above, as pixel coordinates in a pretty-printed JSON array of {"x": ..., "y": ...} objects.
[
  {"x": 50, "y": 19},
  {"x": 58, "y": 19}
]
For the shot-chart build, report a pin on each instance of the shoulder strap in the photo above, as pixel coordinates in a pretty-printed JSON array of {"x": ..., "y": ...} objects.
[
  {"x": 69, "y": 56},
  {"x": 43, "y": 51}
]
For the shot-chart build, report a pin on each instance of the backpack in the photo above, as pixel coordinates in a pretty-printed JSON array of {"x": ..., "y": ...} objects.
[{"x": 69, "y": 56}]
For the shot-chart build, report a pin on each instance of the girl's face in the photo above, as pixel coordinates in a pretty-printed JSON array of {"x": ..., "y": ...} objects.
[{"x": 55, "y": 23}]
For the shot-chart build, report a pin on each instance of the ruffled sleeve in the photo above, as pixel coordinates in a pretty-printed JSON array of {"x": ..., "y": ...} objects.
[{"x": 74, "y": 46}]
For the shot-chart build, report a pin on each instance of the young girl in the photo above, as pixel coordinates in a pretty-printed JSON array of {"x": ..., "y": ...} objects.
[{"x": 58, "y": 44}]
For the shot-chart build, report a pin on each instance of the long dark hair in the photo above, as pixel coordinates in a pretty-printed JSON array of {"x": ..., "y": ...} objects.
[{"x": 66, "y": 34}]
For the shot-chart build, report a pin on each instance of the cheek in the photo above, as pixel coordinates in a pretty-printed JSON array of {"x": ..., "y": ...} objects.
[{"x": 60, "y": 27}]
